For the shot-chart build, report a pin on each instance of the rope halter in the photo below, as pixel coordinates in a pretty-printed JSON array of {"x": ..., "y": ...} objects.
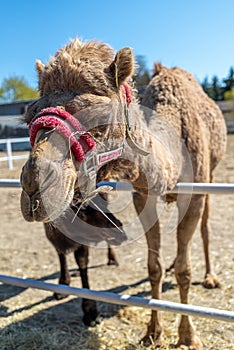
[{"x": 65, "y": 124}]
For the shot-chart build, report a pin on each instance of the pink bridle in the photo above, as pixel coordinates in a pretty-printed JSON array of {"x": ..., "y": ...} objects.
[
  {"x": 68, "y": 126},
  {"x": 65, "y": 124}
]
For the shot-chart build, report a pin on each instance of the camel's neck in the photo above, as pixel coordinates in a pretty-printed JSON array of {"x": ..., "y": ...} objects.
[{"x": 154, "y": 164}]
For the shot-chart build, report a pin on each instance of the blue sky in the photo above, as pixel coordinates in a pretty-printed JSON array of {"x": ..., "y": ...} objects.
[{"x": 196, "y": 35}]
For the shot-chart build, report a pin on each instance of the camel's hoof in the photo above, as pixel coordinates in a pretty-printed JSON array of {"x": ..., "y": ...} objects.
[
  {"x": 211, "y": 281},
  {"x": 92, "y": 319},
  {"x": 112, "y": 262},
  {"x": 194, "y": 344},
  {"x": 59, "y": 296},
  {"x": 91, "y": 315},
  {"x": 148, "y": 340}
]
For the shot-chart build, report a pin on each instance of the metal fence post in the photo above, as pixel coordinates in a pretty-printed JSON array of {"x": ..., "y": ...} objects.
[{"x": 9, "y": 154}]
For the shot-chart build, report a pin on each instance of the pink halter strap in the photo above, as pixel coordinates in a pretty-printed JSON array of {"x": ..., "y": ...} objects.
[{"x": 65, "y": 124}]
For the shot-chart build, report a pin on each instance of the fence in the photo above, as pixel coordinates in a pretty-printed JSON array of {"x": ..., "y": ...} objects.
[
  {"x": 9, "y": 158},
  {"x": 181, "y": 187},
  {"x": 152, "y": 304}
]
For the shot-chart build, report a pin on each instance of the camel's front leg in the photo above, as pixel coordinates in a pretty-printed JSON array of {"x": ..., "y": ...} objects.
[
  {"x": 64, "y": 277},
  {"x": 185, "y": 230},
  {"x": 146, "y": 209},
  {"x": 89, "y": 307}
]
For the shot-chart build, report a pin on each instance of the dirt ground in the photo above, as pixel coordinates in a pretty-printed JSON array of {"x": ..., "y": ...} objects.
[{"x": 31, "y": 319}]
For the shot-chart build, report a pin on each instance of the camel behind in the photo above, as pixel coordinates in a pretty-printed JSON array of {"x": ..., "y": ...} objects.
[{"x": 178, "y": 97}]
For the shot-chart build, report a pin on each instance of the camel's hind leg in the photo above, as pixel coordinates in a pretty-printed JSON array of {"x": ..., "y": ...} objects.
[
  {"x": 185, "y": 230},
  {"x": 112, "y": 260},
  {"x": 210, "y": 280},
  {"x": 146, "y": 209}
]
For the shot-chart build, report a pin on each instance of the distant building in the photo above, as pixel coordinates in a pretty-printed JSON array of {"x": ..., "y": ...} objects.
[
  {"x": 11, "y": 125},
  {"x": 10, "y": 119},
  {"x": 14, "y": 108}
]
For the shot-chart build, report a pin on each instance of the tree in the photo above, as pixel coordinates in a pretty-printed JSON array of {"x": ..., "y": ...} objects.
[
  {"x": 216, "y": 88},
  {"x": 142, "y": 77},
  {"x": 213, "y": 89},
  {"x": 229, "y": 81},
  {"x": 206, "y": 85},
  {"x": 17, "y": 89},
  {"x": 229, "y": 95}
]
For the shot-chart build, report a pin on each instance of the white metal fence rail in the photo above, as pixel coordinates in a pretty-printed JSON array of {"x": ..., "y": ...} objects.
[
  {"x": 181, "y": 187},
  {"x": 9, "y": 158},
  {"x": 128, "y": 300}
]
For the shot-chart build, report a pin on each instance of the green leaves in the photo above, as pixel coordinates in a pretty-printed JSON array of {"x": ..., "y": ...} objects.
[
  {"x": 142, "y": 76},
  {"x": 16, "y": 89},
  {"x": 229, "y": 95}
]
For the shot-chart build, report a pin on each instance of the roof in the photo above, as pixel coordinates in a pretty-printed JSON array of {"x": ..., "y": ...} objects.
[
  {"x": 226, "y": 106},
  {"x": 14, "y": 108}
]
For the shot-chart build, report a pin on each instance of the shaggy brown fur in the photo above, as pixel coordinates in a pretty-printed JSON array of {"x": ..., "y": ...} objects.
[
  {"x": 87, "y": 74},
  {"x": 176, "y": 95}
]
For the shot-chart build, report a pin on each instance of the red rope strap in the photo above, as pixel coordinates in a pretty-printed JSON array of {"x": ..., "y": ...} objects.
[
  {"x": 126, "y": 91},
  {"x": 65, "y": 124}
]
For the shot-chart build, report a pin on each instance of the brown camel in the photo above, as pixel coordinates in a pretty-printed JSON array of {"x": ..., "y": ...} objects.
[
  {"x": 149, "y": 150},
  {"x": 172, "y": 85}
]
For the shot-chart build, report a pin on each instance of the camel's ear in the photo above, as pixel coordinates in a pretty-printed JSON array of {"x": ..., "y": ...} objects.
[
  {"x": 39, "y": 68},
  {"x": 123, "y": 65},
  {"x": 157, "y": 68}
]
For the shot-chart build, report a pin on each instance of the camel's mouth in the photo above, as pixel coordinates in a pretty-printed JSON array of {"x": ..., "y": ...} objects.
[
  {"x": 47, "y": 204},
  {"x": 48, "y": 186}
]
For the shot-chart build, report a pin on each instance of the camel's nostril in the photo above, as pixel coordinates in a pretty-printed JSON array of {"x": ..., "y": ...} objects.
[{"x": 35, "y": 206}]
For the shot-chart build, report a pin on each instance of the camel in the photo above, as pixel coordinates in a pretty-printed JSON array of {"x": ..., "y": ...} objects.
[
  {"x": 213, "y": 119},
  {"x": 87, "y": 85}
]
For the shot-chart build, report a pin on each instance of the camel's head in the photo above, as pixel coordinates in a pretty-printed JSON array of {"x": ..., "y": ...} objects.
[
  {"x": 48, "y": 178},
  {"x": 79, "y": 76}
]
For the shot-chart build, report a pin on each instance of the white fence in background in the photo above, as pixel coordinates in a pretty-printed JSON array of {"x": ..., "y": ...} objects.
[{"x": 9, "y": 158}]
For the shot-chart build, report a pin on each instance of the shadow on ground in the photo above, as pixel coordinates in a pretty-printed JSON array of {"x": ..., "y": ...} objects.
[{"x": 58, "y": 327}]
